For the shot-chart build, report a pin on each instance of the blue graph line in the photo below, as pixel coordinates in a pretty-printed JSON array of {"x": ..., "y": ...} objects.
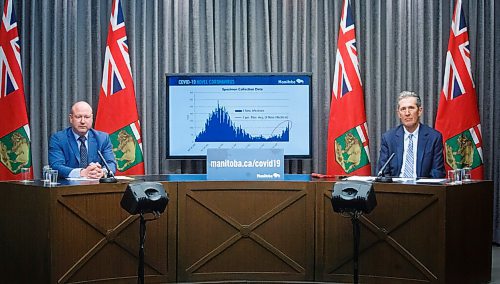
[{"x": 220, "y": 128}]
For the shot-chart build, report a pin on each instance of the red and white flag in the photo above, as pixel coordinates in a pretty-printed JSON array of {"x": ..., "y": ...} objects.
[
  {"x": 347, "y": 149},
  {"x": 15, "y": 149},
  {"x": 458, "y": 115},
  {"x": 117, "y": 109}
]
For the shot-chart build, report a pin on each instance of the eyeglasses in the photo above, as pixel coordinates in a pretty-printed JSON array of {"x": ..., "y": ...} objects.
[{"x": 85, "y": 117}]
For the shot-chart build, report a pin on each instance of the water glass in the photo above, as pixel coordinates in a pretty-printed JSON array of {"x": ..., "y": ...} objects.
[
  {"x": 25, "y": 174},
  {"x": 53, "y": 175},
  {"x": 458, "y": 176},
  {"x": 467, "y": 174},
  {"x": 45, "y": 173},
  {"x": 451, "y": 176}
]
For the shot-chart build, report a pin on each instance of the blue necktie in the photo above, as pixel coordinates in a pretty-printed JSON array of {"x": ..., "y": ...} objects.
[
  {"x": 83, "y": 153},
  {"x": 408, "y": 171}
]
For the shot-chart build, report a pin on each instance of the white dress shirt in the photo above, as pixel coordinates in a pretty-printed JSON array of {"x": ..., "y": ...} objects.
[{"x": 415, "y": 143}]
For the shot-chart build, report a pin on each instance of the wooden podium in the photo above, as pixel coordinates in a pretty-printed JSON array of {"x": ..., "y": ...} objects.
[
  {"x": 245, "y": 231},
  {"x": 79, "y": 234},
  {"x": 417, "y": 234}
]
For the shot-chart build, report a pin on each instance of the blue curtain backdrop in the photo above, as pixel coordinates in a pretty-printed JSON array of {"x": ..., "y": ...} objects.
[{"x": 401, "y": 46}]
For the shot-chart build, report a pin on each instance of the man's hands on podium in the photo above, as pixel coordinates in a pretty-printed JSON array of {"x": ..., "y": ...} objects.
[{"x": 93, "y": 170}]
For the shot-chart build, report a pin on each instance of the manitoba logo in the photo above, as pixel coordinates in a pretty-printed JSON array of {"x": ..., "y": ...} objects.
[
  {"x": 15, "y": 151},
  {"x": 462, "y": 151},
  {"x": 126, "y": 147},
  {"x": 350, "y": 151}
]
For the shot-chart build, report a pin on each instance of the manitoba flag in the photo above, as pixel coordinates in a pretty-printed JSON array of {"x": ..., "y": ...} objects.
[
  {"x": 117, "y": 109},
  {"x": 15, "y": 149},
  {"x": 347, "y": 149},
  {"x": 458, "y": 116}
]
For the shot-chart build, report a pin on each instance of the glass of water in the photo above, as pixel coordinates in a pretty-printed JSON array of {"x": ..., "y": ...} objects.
[
  {"x": 53, "y": 177},
  {"x": 458, "y": 176},
  {"x": 467, "y": 174},
  {"x": 25, "y": 175},
  {"x": 45, "y": 173},
  {"x": 451, "y": 176}
]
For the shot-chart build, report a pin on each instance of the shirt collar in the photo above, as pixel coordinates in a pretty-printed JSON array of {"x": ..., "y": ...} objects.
[
  {"x": 415, "y": 133},
  {"x": 78, "y": 136}
]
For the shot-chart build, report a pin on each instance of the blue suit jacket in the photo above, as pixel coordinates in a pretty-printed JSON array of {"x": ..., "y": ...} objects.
[
  {"x": 64, "y": 153},
  {"x": 430, "y": 162}
]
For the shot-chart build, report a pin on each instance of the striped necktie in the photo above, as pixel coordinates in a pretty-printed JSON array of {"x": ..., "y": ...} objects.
[
  {"x": 83, "y": 153},
  {"x": 409, "y": 159}
]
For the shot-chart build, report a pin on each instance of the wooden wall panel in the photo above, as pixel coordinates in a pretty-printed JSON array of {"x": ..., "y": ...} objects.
[
  {"x": 24, "y": 239},
  {"x": 80, "y": 234},
  {"x": 412, "y": 236},
  {"x": 246, "y": 231},
  {"x": 469, "y": 228},
  {"x": 107, "y": 237}
]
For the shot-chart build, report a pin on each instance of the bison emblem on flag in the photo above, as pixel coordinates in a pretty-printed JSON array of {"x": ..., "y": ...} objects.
[
  {"x": 15, "y": 151},
  {"x": 127, "y": 148},
  {"x": 350, "y": 152},
  {"x": 462, "y": 151}
]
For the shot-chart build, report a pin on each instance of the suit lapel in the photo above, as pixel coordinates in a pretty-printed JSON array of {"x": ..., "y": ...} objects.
[
  {"x": 73, "y": 145},
  {"x": 423, "y": 137},
  {"x": 400, "y": 135}
]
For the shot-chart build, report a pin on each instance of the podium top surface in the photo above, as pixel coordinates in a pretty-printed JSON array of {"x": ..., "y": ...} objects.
[
  {"x": 203, "y": 177},
  {"x": 158, "y": 178}
]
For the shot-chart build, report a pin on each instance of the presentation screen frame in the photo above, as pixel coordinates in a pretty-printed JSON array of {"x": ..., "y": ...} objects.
[{"x": 195, "y": 100}]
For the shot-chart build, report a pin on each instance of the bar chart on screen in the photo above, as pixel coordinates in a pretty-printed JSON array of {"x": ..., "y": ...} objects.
[{"x": 239, "y": 112}]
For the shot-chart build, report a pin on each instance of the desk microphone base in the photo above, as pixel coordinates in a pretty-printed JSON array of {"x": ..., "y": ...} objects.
[
  {"x": 383, "y": 179},
  {"x": 108, "y": 180}
]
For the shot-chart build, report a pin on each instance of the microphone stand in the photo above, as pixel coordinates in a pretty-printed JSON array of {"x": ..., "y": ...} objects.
[
  {"x": 381, "y": 174},
  {"x": 383, "y": 178},
  {"x": 142, "y": 240},
  {"x": 356, "y": 239},
  {"x": 110, "y": 177}
]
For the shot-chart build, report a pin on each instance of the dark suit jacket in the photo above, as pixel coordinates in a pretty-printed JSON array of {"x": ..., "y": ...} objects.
[
  {"x": 430, "y": 161},
  {"x": 64, "y": 153}
]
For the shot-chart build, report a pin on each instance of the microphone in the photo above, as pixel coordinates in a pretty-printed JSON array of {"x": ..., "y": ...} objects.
[
  {"x": 110, "y": 176},
  {"x": 381, "y": 176}
]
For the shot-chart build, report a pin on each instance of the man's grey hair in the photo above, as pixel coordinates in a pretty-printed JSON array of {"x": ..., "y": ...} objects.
[{"x": 408, "y": 94}]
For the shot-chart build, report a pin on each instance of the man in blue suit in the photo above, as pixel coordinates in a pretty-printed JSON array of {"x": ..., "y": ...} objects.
[
  {"x": 418, "y": 148},
  {"x": 73, "y": 151}
]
